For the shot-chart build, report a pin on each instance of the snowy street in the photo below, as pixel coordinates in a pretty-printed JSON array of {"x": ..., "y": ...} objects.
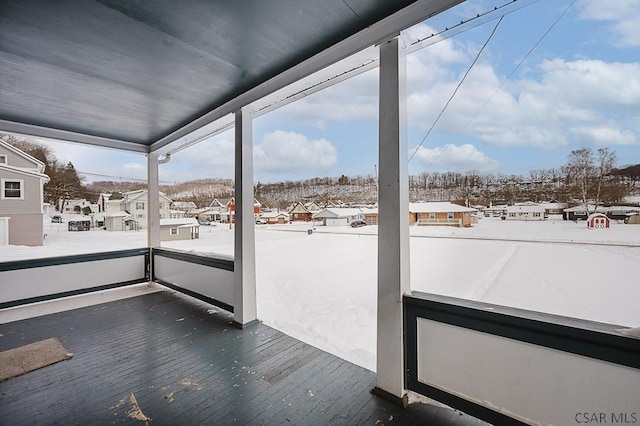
[{"x": 321, "y": 287}]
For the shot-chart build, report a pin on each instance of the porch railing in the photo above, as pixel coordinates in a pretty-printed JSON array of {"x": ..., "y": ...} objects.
[
  {"x": 511, "y": 366},
  {"x": 36, "y": 280},
  {"x": 207, "y": 278}
]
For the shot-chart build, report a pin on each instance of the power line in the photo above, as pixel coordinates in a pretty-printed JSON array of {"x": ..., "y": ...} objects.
[
  {"x": 457, "y": 87},
  {"x": 524, "y": 58}
]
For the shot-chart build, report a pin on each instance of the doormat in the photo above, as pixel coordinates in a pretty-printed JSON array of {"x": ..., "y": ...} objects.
[{"x": 24, "y": 359}]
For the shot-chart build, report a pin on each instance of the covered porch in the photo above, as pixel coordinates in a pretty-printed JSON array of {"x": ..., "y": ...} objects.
[
  {"x": 155, "y": 356},
  {"x": 153, "y": 79}
]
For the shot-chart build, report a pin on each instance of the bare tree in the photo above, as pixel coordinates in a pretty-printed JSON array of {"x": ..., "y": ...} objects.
[{"x": 587, "y": 176}]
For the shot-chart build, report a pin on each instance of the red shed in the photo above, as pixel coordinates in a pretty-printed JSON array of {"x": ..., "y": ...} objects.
[{"x": 598, "y": 221}]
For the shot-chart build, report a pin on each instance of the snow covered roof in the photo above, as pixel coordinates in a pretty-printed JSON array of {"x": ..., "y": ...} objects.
[
  {"x": 202, "y": 210},
  {"x": 186, "y": 221},
  {"x": 269, "y": 215},
  {"x": 438, "y": 207},
  {"x": 526, "y": 208},
  {"x": 580, "y": 208},
  {"x": 554, "y": 205},
  {"x": 526, "y": 203},
  {"x": 635, "y": 199},
  {"x": 619, "y": 209},
  {"x": 338, "y": 212},
  {"x": 115, "y": 214},
  {"x": 184, "y": 205},
  {"x": 133, "y": 195},
  {"x": 299, "y": 208}
]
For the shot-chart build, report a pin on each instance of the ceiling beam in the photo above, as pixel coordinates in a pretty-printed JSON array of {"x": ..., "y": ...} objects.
[{"x": 67, "y": 136}]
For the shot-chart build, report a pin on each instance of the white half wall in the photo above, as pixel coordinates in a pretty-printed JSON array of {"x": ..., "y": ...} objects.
[
  {"x": 535, "y": 384},
  {"x": 214, "y": 283},
  {"x": 48, "y": 280}
]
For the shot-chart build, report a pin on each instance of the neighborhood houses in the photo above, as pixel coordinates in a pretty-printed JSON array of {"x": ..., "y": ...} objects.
[{"x": 23, "y": 211}]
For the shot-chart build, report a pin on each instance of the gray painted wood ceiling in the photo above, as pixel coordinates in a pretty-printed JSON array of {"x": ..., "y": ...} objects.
[{"x": 138, "y": 71}]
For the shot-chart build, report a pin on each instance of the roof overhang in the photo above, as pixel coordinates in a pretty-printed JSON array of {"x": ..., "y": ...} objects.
[{"x": 140, "y": 76}]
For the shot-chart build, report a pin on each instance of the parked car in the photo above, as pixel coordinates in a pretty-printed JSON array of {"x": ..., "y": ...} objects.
[
  {"x": 358, "y": 223},
  {"x": 204, "y": 222},
  {"x": 261, "y": 221},
  {"x": 56, "y": 219}
]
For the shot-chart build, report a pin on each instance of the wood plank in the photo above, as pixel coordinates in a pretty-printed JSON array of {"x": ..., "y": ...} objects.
[{"x": 183, "y": 364}]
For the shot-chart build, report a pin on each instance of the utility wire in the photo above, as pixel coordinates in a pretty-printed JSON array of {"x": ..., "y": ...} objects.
[
  {"x": 524, "y": 58},
  {"x": 479, "y": 19},
  {"x": 457, "y": 87}
]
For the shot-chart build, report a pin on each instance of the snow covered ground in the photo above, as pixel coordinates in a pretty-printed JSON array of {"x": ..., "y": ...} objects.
[{"x": 321, "y": 288}]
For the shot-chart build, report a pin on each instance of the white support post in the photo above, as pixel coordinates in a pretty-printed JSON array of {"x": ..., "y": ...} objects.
[
  {"x": 153, "y": 203},
  {"x": 393, "y": 225},
  {"x": 244, "y": 307}
]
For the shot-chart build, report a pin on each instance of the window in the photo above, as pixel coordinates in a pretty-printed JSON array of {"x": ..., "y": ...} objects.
[
  {"x": 432, "y": 215},
  {"x": 173, "y": 231},
  {"x": 12, "y": 189},
  {"x": 536, "y": 214},
  {"x": 3, "y": 159},
  {"x": 139, "y": 206},
  {"x": 450, "y": 215}
]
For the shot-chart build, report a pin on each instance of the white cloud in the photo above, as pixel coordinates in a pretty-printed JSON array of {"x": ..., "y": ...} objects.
[
  {"x": 606, "y": 136},
  {"x": 538, "y": 111},
  {"x": 98, "y": 164},
  {"x": 355, "y": 99},
  {"x": 622, "y": 14},
  {"x": 282, "y": 152},
  {"x": 213, "y": 158},
  {"x": 450, "y": 157}
]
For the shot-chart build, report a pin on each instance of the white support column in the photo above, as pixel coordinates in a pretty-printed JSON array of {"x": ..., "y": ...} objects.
[
  {"x": 393, "y": 225},
  {"x": 245, "y": 241},
  {"x": 153, "y": 204}
]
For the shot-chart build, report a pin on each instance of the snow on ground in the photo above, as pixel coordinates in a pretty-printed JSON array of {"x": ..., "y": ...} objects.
[{"x": 321, "y": 287}]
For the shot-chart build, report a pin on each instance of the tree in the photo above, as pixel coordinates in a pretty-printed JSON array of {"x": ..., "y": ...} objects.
[
  {"x": 64, "y": 182},
  {"x": 587, "y": 176}
]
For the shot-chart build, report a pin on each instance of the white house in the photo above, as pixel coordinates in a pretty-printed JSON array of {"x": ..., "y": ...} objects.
[
  {"x": 338, "y": 216},
  {"x": 525, "y": 211},
  {"x": 554, "y": 207},
  {"x": 69, "y": 206},
  {"x": 21, "y": 197},
  {"x": 440, "y": 213},
  {"x": 275, "y": 217},
  {"x": 135, "y": 204},
  {"x": 176, "y": 214},
  {"x": 187, "y": 207},
  {"x": 186, "y": 228}
]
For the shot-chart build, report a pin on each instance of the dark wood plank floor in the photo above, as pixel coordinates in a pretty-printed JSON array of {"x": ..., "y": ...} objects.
[{"x": 163, "y": 358}]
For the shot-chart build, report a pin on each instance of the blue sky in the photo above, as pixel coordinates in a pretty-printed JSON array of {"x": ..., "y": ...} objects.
[{"x": 580, "y": 87}]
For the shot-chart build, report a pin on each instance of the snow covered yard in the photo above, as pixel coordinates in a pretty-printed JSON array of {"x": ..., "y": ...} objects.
[{"x": 321, "y": 287}]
